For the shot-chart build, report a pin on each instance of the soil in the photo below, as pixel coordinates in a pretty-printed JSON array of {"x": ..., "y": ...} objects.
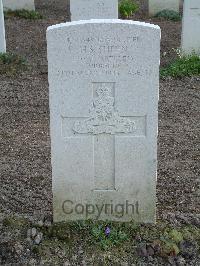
[{"x": 25, "y": 169}]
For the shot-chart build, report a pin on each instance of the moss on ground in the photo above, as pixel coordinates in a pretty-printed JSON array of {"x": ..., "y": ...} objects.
[
  {"x": 14, "y": 222},
  {"x": 23, "y": 13},
  {"x": 11, "y": 64},
  {"x": 169, "y": 15},
  {"x": 182, "y": 66},
  {"x": 122, "y": 240}
]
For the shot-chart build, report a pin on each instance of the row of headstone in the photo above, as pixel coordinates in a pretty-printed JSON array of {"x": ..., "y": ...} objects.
[
  {"x": 103, "y": 81},
  {"x": 191, "y": 27},
  {"x": 2, "y": 30},
  {"x": 18, "y": 4},
  {"x": 89, "y": 9},
  {"x": 94, "y": 8}
]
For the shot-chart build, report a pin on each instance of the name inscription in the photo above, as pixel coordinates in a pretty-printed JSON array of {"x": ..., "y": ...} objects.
[{"x": 98, "y": 55}]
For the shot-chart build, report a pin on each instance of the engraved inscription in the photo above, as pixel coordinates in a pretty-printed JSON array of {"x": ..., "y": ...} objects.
[
  {"x": 195, "y": 12},
  {"x": 104, "y": 118}
]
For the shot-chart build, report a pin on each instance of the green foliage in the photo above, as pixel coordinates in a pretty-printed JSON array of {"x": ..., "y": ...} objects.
[
  {"x": 170, "y": 240},
  {"x": 101, "y": 236},
  {"x": 93, "y": 232},
  {"x": 11, "y": 63},
  {"x": 23, "y": 13},
  {"x": 170, "y": 249},
  {"x": 176, "y": 236},
  {"x": 115, "y": 237},
  {"x": 169, "y": 14},
  {"x": 183, "y": 66},
  {"x": 127, "y": 8}
]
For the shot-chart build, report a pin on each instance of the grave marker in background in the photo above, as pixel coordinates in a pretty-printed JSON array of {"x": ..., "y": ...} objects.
[
  {"x": 2, "y": 30},
  {"x": 156, "y": 6},
  {"x": 103, "y": 79},
  {"x": 18, "y": 4},
  {"x": 93, "y": 9},
  {"x": 191, "y": 27}
]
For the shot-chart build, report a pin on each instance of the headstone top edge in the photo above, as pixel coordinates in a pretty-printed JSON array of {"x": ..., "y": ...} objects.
[{"x": 103, "y": 21}]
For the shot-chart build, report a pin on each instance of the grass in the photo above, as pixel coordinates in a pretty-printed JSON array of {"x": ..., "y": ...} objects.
[
  {"x": 11, "y": 64},
  {"x": 124, "y": 240},
  {"x": 181, "y": 67},
  {"x": 23, "y": 13},
  {"x": 169, "y": 14},
  {"x": 127, "y": 8}
]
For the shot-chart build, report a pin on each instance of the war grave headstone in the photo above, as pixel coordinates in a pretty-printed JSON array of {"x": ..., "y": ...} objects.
[
  {"x": 93, "y": 9},
  {"x": 18, "y": 4},
  {"x": 156, "y": 6},
  {"x": 2, "y": 30},
  {"x": 191, "y": 27},
  {"x": 103, "y": 81}
]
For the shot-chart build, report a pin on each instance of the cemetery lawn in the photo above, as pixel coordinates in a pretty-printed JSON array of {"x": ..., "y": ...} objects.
[{"x": 25, "y": 173}]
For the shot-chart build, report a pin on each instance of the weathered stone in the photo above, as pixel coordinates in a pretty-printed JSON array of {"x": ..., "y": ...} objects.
[
  {"x": 103, "y": 78},
  {"x": 2, "y": 30},
  {"x": 191, "y": 27},
  {"x": 38, "y": 238},
  {"x": 93, "y": 9},
  {"x": 33, "y": 232}
]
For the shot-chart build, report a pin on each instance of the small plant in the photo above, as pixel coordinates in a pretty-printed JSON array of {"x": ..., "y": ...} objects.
[
  {"x": 169, "y": 14},
  {"x": 23, "y": 13},
  {"x": 127, "y": 8},
  {"x": 108, "y": 237},
  {"x": 11, "y": 63},
  {"x": 182, "y": 66}
]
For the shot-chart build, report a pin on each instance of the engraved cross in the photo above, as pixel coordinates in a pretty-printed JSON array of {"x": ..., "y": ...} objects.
[{"x": 104, "y": 124}]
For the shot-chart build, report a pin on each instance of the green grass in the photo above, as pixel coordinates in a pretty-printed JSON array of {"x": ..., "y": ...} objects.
[
  {"x": 11, "y": 63},
  {"x": 181, "y": 67},
  {"x": 125, "y": 240},
  {"x": 127, "y": 8},
  {"x": 115, "y": 238},
  {"x": 169, "y": 14},
  {"x": 23, "y": 13}
]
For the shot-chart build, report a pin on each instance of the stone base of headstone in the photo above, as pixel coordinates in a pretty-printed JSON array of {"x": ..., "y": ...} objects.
[{"x": 18, "y": 4}]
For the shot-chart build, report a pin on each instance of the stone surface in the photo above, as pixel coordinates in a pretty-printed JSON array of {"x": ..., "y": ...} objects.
[
  {"x": 103, "y": 80},
  {"x": 156, "y": 6},
  {"x": 38, "y": 238},
  {"x": 18, "y": 4},
  {"x": 191, "y": 27},
  {"x": 93, "y": 9},
  {"x": 2, "y": 30}
]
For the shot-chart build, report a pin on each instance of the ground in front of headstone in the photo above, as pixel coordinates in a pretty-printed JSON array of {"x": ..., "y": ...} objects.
[{"x": 25, "y": 173}]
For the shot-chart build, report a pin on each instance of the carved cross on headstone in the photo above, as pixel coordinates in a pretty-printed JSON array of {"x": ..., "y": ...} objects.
[
  {"x": 103, "y": 95},
  {"x": 104, "y": 124}
]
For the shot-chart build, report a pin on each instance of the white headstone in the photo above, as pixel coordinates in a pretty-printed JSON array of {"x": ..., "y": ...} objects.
[
  {"x": 156, "y": 6},
  {"x": 93, "y": 9},
  {"x": 2, "y": 30},
  {"x": 191, "y": 27},
  {"x": 104, "y": 79},
  {"x": 18, "y": 4}
]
